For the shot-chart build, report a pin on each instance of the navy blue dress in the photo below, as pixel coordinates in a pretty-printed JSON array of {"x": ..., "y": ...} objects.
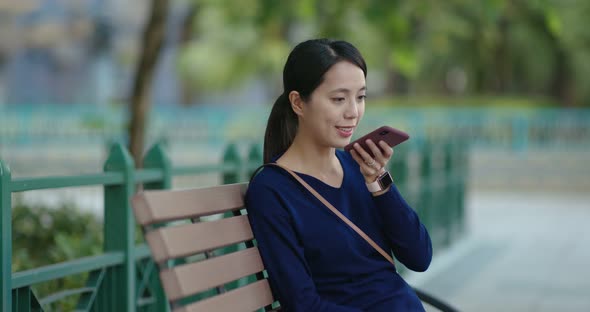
[{"x": 315, "y": 262}]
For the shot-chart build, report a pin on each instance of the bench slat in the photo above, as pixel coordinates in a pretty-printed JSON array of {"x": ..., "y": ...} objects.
[
  {"x": 248, "y": 298},
  {"x": 189, "y": 279},
  {"x": 188, "y": 239},
  {"x": 176, "y": 240},
  {"x": 167, "y": 205}
]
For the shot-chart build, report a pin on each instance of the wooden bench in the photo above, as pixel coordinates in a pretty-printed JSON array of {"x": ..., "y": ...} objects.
[{"x": 189, "y": 232}]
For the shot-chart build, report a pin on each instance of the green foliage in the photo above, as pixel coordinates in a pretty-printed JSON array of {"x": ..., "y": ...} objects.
[
  {"x": 44, "y": 235},
  {"x": 463, "y": 101},
  {"x": 527, "y": 48},
  {"x": 233, "y": 42}
]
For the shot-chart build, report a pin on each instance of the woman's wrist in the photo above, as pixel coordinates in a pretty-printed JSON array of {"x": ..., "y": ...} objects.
[
  {"x": 379, "y": 185},
  {"x": 378, "y": 193},
  {"x": 374, "y": 177}
]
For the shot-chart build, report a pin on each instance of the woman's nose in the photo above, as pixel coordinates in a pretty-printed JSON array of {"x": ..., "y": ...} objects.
[{"x": 352, "y": 110}]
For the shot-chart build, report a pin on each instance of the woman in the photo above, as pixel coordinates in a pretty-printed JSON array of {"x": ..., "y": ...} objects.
[{"x": 315, "y": 261}]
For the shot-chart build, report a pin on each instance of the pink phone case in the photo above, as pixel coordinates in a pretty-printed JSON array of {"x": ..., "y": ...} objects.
[{"x": 390, "y": 135}]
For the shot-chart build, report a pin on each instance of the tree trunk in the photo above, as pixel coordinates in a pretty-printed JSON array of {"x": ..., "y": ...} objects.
[
  {"x": 397, "y": 83},
  {"x": 561, "y": 84},
  {"x": 502, "y": 61},
  {"x": 153, "y": 38},
  {"x": 188, "y": 92}
]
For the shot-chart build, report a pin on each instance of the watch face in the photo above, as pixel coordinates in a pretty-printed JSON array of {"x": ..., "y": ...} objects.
[{"x": 385, "y": 180}]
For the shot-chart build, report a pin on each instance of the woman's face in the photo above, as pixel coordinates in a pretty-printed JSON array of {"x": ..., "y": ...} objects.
[{"x": 335, "y": 107}]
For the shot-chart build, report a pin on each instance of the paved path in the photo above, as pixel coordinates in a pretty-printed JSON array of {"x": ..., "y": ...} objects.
[
  {"x": 534, "y": 169},
  {"x": 525, "y": 251}
]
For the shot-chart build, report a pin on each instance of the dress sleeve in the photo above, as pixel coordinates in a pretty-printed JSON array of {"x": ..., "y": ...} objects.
[
  {"x": 407, "y": 236},
  {"x": 282, "y": 253}
]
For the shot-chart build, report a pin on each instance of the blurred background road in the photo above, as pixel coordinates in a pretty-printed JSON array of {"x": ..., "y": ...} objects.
[
  {"x": 526, "y": 250},
  {"x": 527, "y": 243}
]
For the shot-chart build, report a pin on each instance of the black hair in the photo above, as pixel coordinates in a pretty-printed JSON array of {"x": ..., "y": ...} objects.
[{"x": 304, "y": 72}]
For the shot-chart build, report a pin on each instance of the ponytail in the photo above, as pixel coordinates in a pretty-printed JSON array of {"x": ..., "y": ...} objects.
[{"x": 280, "y": 128}]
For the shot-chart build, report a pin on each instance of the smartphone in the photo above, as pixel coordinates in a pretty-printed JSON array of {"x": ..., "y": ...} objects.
[{"x": 390, "y": 135}]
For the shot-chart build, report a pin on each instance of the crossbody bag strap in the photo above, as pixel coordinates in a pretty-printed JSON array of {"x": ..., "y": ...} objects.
[{"x": 337, "y": 213}]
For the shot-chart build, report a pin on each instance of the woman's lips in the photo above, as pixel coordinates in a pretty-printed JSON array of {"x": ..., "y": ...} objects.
[{"x": 345, "y": 132}]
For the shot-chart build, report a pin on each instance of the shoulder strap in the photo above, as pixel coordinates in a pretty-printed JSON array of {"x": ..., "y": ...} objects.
[{"x": 336, "y": 212}]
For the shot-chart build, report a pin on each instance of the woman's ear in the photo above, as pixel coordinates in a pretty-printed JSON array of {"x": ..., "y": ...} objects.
[{"x": 296, "y": 103}]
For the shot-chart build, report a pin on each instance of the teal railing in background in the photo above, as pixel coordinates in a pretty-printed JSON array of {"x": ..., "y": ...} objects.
[
  {"x": 510, "y": 128},
  {"x": 432, "y": 177}
]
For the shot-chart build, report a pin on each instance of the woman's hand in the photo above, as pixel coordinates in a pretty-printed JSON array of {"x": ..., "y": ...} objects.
[{"x": 372, "y": 167}]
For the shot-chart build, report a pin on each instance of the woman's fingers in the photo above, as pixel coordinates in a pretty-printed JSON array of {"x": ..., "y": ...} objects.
[
  {"x": 356, "y": 157},
  {"x": 366, "y": 158},
  {"x": 370, "y": 166},
  {"x": 367, "y": 169},
  {"x": 378, "y": 155},
  {"x": 382, "y": 153},
  {"x": 386, "y": 150}
]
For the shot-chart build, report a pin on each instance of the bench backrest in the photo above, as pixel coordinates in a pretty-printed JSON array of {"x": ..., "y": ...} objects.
[{"x": 189, "y": 232}]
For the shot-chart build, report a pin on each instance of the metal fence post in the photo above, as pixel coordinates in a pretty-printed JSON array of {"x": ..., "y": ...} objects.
[
  {"x": 254, "y": 159},
  {"x": 449, "y": 193},
  {"x": 156, "y": 157},
  {"x": 232, "y": 157},
  {"x": 5, "y": 239},
  {"x": 399, "y": 168},
  {"x": 463, "y": 173},
  {"x": 520, "y": 135},
  {"x": 425, "y": 200},
  {"x": 119, "y": 229},
  {"x": 443, "y": 205}
]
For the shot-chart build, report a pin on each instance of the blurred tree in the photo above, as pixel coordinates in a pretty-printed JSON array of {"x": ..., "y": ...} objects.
[
  {"x": 566, "y": 23},
  {"x": 503, "y": 47},
  {"x": 153, "y": 38},
  {"x": 507, "y": 47},
  {"x": 232, "y": 41},
  {"x": 395, "y": 25},
  {"x": 186, "y": 35}
]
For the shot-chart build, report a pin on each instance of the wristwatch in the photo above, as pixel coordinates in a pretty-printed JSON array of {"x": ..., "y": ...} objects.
[{"x": 382, "y": 183}]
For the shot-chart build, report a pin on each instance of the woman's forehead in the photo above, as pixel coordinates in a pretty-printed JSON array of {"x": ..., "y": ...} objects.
[{"x": 344, "y": 76}]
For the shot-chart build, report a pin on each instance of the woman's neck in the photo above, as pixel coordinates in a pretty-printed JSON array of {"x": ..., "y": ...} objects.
[{"x": 308, "y": 157}]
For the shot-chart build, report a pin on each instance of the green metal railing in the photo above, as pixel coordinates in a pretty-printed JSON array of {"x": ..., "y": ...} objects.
[{"x": 123, "y": 277}]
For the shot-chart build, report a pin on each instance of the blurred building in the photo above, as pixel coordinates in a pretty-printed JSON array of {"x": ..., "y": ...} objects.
[{"x": 76, "y": 51}]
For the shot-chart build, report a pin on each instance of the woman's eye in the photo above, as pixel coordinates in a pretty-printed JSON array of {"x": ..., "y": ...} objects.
[
  {"x": 362, "y": 97},
  {"x": 338, "y": 99}
]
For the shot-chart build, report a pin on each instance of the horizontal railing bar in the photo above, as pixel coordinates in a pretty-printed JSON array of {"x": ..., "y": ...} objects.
[
  {"x": 221, "y": 168},
  {"x": 63, "y": 294},
  {"x": 29, "y": 184},
  {"x": 149, "y": 175},
  {"x": 60, "y": 270},
  {"x": 190, "y": 170},
  {"x": 111, "y": 178},
  {"x": 142, "y": 251},
  {"x": 252, "y": 165},
  {"x": 74, "y": 267},
  {"x": 141, "y": 302}
]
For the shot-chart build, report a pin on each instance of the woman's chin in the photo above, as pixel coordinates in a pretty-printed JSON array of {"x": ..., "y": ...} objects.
[{"x": 341, "y": 145}]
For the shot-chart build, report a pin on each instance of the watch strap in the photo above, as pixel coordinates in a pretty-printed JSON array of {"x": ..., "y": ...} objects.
[
  {"x": 377, "y": 185},
  {"x": 374, "y": 186}
]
